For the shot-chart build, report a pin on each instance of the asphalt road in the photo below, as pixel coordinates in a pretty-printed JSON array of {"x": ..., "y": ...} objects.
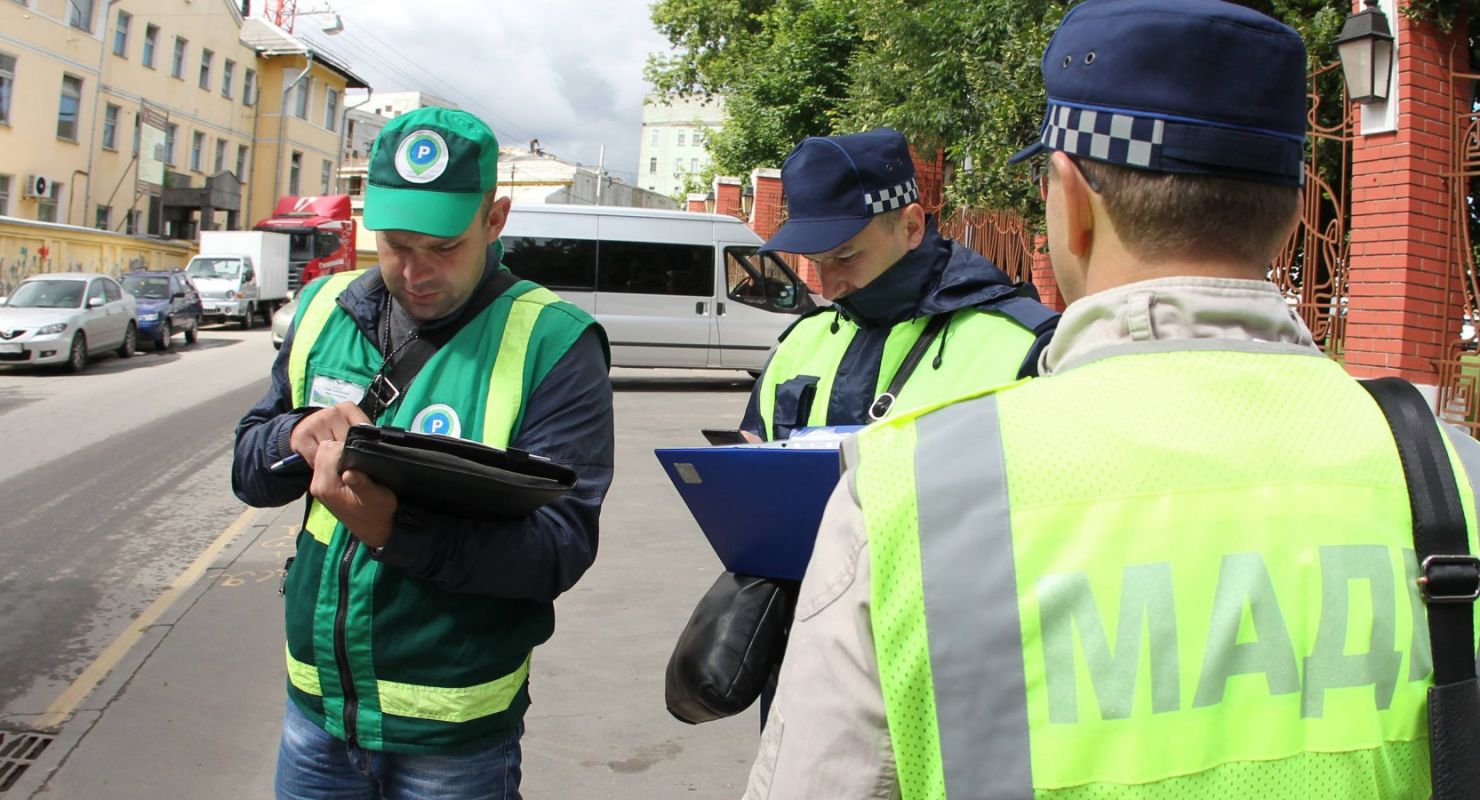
[{"x": 115, "y": 485}]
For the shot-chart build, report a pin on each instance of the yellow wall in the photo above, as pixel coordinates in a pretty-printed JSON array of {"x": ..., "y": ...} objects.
[
  {"x": 46, "y": 47},
  {"x": 74, "y": 249}
]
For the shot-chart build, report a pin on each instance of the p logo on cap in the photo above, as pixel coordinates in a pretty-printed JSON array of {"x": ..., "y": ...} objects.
[{"x": 422, "y": 157}]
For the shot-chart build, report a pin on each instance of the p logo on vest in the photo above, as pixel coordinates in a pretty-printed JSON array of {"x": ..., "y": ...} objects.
[{"x": 439, "y": 419}]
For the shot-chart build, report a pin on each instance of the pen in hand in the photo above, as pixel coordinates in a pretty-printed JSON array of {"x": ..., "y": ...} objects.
[{"x": 285, "y": 463}]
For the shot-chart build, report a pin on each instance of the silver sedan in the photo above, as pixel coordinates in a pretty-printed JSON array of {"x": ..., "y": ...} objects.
[
  {"x": 67, "y": 318},
  {"x": 281, "y": 320}
]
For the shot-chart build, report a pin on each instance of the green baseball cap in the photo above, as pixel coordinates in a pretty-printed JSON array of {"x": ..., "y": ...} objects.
[{"x": 429, "y": 169}]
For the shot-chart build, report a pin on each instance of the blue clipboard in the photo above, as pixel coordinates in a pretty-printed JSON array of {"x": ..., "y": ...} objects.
[{"x": 758, "y": 505}]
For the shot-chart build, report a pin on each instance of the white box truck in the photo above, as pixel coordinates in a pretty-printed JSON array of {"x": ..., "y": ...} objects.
[{"x": 241, "y": 275}]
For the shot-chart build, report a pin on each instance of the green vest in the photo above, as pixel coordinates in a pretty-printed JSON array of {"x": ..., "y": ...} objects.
[
  {"x": 986, "y": 350},
  {"x": 378, "y": 658},
  {"x": 1164, "y": 574}
]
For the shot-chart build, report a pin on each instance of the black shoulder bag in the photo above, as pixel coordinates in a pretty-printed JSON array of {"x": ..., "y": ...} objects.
[{"x": 1449, "y": 581}]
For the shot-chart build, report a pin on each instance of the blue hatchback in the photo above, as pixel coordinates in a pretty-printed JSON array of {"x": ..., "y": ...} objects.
[{"x": 167, "y": 303}]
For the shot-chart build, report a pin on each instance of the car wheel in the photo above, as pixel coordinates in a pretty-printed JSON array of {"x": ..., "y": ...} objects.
[
  {"x": 130, "y": 342},
  {"x": 77, "y": 356},
  {"x": 192, "y": 332},
  {"x": 165, "y": 333}
]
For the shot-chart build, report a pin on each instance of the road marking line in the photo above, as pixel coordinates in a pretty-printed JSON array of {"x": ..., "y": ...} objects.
[{"x": 70, "y": 699}]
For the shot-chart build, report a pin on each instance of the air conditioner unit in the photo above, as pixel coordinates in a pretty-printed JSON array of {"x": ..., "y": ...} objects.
[{"x": 38, "y": 186}]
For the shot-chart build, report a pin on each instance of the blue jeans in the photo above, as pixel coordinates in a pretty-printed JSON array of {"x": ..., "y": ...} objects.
[{"x": 312, "y": 765}]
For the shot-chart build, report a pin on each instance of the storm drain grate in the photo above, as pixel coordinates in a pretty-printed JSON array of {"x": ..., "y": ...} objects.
[{"x": 18, "y": 751}]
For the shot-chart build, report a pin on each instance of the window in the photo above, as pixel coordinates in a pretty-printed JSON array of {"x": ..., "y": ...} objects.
[
  {"x": 197, "y": 144},
  {"x": 95, "y": 291},
  {"x": 170, "y": 131},
  {"x": 241, "y": 162},
  {"x": 228, "y": 69},
  {"x": 80, "y": 14},
  {"x": 249, "y": 87},
  {"x": 331, "y": 109},
  {"x": 120, "y": 34},
  {"x": 104, "y": 219},
  {"x": 760, "y": 280},
  {"x": 678, "y": 166},
  {"x": 649, "y": 268},
  {"x": 324, "y": 175},
  {"x": 177, "y": 62},
  {"x": 680, "y": 138},
  {"x": 568, "y": 264},
  {"x": 300, "y": 99},
  {"x": 111, "y": 290},
  {"x": 205, "y": 69},
  {"x": 131, "y": 222},
  {"x": 5, "y": 195},
  {"x": 137, "y": 126},
  {"x": 220, "y": 156},
  {"x": 652, "y": 166},
  {"x": 46, "y": 207},
  {"x": 657, "y": 136},
  {"x": 7, "y": 86},
  {"x": 151, "y": 41},
  {"x": 295, "y": 168},
  {"x": 693, "y": 165},
  {"x": 110, "y": 127},
  {"x": 68, "y": 108}
]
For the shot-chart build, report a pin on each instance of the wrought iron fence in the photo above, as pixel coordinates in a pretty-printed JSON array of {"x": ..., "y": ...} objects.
[
  {"x": 1459, "y": 368},
  {"x": 1004, "y": 237}
]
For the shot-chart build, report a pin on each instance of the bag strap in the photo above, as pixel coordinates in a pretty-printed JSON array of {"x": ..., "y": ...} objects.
[
  {"x": 395, "y": 378},
  {"x": 1449, "y": 581},
  {"x": 885, "y": 401}
]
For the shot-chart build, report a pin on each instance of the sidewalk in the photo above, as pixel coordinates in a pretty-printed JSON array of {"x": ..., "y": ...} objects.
[{"x": 194, "y": 709}]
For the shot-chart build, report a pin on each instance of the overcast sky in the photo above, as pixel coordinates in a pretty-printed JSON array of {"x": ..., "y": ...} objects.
[{"x": 566, "y": 72}]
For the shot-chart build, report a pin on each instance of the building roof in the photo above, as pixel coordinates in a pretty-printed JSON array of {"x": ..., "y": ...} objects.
[{"x": 269, "y": 40}]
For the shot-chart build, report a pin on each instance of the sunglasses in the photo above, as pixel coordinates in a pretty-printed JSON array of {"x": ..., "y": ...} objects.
[{"x": 1039, "y": 170}]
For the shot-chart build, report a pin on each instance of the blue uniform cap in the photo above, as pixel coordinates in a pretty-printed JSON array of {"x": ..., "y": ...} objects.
[
  {"x": 1195, "y": 87},
  {"x": 836, "y": 184}
]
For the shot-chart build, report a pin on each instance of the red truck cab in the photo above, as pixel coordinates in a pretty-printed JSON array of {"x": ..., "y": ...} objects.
[{"x": 323, "y": 235}]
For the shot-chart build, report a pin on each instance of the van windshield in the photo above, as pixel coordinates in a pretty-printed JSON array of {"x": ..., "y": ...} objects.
[{"x": 224, "y": 268}]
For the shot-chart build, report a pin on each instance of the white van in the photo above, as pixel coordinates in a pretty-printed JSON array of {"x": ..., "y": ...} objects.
[{"x": 672, "y": 288}]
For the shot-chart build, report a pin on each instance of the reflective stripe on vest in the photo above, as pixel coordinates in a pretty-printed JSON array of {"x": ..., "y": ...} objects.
[
  {"x": 440, "y": 703},
  {"x": 505, "y": 388},
  {"x": 979, "y": 349},
  {"x": 1213, "y": 595}
]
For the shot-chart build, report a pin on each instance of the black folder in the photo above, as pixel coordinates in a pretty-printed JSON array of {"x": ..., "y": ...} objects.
[{"x": 455, "y": 476}]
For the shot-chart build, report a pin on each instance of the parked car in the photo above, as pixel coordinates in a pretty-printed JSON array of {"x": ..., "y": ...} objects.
[
  {"x": 168, "y": 303},
  {"x": 67, "y": 318},
  {"x": 281, "y": 320}
]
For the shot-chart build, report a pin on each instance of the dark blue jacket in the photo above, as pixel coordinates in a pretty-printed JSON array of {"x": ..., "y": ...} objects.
[
  {"x": 568, "y": 418},
  {"x": 938, "y": 277}
]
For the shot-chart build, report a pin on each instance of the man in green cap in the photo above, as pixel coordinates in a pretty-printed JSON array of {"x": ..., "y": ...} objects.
[{"x": 409, "y": 630}]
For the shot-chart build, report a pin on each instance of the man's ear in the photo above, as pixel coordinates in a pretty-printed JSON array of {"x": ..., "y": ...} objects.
[
  {"x": 498, "y": 216},
  {"x": 1079, "y": 217},
  {"x": 913, "y": 219}
]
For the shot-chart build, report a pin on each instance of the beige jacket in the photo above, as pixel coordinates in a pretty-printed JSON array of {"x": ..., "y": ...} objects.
[{"x": 826, "y": 735}]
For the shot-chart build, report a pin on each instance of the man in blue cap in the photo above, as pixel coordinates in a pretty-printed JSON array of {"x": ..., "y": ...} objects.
[
  {"x": 1178, "y": 564},
  {"x": 916, "y": 318},
  {"x": 410, "y": 627}
]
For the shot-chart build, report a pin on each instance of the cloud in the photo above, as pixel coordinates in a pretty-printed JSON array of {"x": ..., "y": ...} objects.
[{"x": 566, "y": 72}]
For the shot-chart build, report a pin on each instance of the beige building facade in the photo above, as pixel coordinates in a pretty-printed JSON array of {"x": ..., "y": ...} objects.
[
  {"x": 672, "y": 147},
  {"x": 76, "y": 75}
]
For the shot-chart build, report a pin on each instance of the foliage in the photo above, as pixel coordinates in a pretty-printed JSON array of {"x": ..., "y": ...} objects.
[{"x": 960, "y": 75}]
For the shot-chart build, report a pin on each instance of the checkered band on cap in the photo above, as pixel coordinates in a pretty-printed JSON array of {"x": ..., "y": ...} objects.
[
  {"x": 892, "y": 198},
  {"x": 1106, "y": 136}
]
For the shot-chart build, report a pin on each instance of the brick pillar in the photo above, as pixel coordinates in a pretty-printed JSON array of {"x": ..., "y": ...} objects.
[
  {"x": 769, "y": 206},
  {"x": 930, "y": 176},
  {"x": 1043, "y": 279},
  {"x": 1397, "y": 319},
  {"x": 695, "y": 202},
  {"x": 727, "y": 196}
]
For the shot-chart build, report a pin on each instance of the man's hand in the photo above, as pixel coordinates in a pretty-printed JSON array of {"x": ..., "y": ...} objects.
[
  {"x": 324, "y": 425},
  {"x": 365, "y": 507},
  {"x": 750, "y": 437}
]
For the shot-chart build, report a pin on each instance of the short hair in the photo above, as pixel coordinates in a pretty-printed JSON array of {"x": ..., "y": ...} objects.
[{"x": 1162, "y": 216}]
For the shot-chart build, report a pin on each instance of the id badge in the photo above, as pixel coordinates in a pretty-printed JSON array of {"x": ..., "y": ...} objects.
[{"x": 326, "y": 391}]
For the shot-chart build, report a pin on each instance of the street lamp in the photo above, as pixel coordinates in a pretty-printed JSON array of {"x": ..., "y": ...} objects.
[
  {"x": 1365, "y": 47},
  {"x": 709, "y": 202},
  {"x": 747, "y": 201}
]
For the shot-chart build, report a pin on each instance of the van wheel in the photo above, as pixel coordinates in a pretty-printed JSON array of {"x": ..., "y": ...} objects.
[
  {"x": 267, "y": 312},
  {"x": 754, "y": 373},
  {"x": 248, "y": 317},
  {"x": 77, "y": 355},
  {"x": 130, "y": 342}
]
